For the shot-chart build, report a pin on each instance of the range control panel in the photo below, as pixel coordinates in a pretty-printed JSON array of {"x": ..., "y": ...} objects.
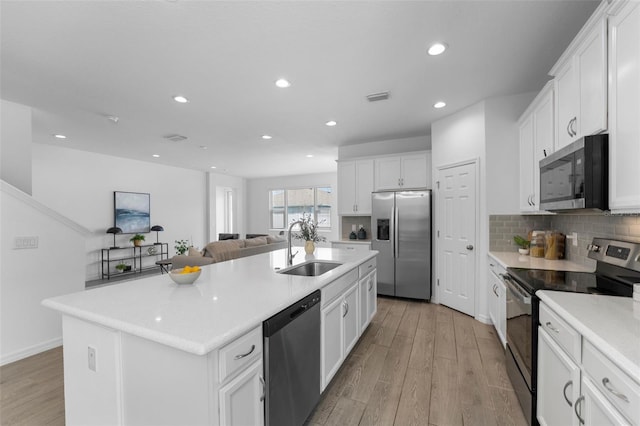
[{"x": 620, "y": 253}]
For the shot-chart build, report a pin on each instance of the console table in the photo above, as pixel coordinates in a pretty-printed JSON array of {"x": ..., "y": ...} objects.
[{"x": 133, "y": 256}]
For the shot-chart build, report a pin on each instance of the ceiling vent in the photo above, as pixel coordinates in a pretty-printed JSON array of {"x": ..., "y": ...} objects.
[
  {"x": 175, "y": 138},
  {"x": 382, "y": 96}
]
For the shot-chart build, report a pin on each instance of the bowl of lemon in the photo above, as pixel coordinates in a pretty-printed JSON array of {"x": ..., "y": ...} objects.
[{"x": 186, "y": 275}]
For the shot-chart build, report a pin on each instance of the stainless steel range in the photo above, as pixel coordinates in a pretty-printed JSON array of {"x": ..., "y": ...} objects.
[{"x": 617, "y": 268}]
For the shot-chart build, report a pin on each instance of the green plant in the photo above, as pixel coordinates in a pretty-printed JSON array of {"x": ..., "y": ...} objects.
[
  {"x": 121, "y": 267},
  {"x": 181, "y": 246},
  {"x": 308, "y": 230},
  {"x": 137, "y": 237},
  {"x": 521, "y": 242}
]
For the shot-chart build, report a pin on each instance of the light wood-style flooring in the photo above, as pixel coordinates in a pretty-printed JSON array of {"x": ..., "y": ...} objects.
[
  {"x": 421, "y": 364},
  {"x": 416, "y": 364}
]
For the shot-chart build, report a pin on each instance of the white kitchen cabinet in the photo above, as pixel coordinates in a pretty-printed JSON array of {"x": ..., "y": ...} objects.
[
  {"x": 339, "y": 331},
  {"x": 578, "y": 384},
  {"x": 355, "y": 185},
  {"x": 537, "y": 135},
  {"x": 580, "y": 83},
  {"x": 624, "y": 108},
  {"x": 403, "y": 172},
  {"x": 350, "y": 319},
  {"x": 595, "y": 410},
  {"x": 527, "y": 186},
  {"x": 558, "y": 383},
  {"x": 332, "y": 340},
  {"x": 497, "y": 300},
  {"x": 368, "y": 291},
  {"x": 242, "y": 399}
]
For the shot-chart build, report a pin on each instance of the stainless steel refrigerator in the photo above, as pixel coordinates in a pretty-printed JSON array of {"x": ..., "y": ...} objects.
[{"x": 401, "y": 226}]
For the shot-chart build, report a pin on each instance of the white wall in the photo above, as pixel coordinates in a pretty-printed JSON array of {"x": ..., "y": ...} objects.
[
  {"x": 488, "y": 132},
  {"x": 27, "y": 276},
  {"x": 385, "y": 147},
  {"x": 80, "y": 186},
  {"x": 502, "y": 152},
  {"x": 258, "y": 200},
  {"x": 15, "y": 145}
]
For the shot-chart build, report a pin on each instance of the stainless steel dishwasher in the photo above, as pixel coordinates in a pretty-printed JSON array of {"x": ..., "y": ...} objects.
[{"x": 292, "y": 362}]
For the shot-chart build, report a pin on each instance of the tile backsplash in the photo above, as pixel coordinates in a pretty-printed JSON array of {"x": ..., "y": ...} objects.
[{"x": 502, "y": 228}]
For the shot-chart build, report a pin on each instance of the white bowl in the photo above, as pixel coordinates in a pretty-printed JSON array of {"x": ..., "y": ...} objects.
[{"x": 179, "y": 278}]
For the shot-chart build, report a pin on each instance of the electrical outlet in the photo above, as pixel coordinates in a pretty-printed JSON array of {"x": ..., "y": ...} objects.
[
  {"x": 25, "y": 243},
  {"x": 574, "y": 237},
  {"x": 91, "y": 358}
]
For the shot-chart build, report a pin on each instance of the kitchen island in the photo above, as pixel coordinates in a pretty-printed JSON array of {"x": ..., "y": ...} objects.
[{"x": 152, "y": 352}]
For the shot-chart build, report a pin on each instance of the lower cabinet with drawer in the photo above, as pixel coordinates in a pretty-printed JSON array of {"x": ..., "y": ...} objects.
[
  {"x": 577, "y": 383},
  {"x": 360, "y": 246}
]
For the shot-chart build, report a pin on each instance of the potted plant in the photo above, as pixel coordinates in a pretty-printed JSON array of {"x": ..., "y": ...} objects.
[
  {"x": 309, "y": 233},
  {"x": 123, "y": 267},
  {"x": 137, "y": 240},
  {"x": 181, "y": 246},
  {"x": 522, "y": 243}
]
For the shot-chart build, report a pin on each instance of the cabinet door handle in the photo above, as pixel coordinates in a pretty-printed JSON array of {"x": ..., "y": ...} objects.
[
  {"x": 237, "y": 357},
  {"x": 533, "y": 197},
  {"x": 494, "y": 291},
  {"x": 607, "y": 384},
  {"x": 551, "y": 327},
  {"x": 264, "y": 390},
  {"x": 346, "y": 309},
  {"x": 574, "y": 122},
  {"x": 564, "y": 392},
  {"x": 544, "y": 151},
  {"x": 575, "y": 408},
  {"x": 569, "y": 131},
  {"x": 370, "y": 283}
]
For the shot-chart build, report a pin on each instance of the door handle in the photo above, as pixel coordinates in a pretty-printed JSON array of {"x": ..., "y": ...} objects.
[
  {"x": 575, "y": 408},
  {"x": 396, "y": 229},
  {"x": 237, "y": 357},
  {"x": 568, "y": 125},
  {"x": 264, "y": 390},
  {"x": 346, "y": 309},
  {"x": 607, "y": 384},
  {"x": 470, "y": 247}
]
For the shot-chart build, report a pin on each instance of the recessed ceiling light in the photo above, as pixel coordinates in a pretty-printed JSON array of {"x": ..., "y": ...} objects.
[
  {"x": 331, "y": 123},
  {"x": 181, "y": 99},
  {"x": 282, "y": 83},
  {"x": 156, "y": 156},
  {"x": 439, "y": 104},
  {"x": 203, "y": 147},
  {"x": 437, "y": 49},
  {"x": 266, "y": 137},
  {"x": 59, "y": 136},
  {"x": 309, "y": 155},
  {"x": 213, "y": 167}
]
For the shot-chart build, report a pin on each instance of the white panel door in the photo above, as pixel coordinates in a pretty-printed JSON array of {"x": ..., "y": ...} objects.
[
  {"x": 414, "y": 171},
  {"x": 241, "y": 401},
  {"x": 456, "y": 256},
  {"x": 387, "y": 175},
  {"x": 526, "y": 165},
  {"x": 592, "y": 81},
  {"x": 566, "y": 92},
  {"x": 364, "y": 186}
]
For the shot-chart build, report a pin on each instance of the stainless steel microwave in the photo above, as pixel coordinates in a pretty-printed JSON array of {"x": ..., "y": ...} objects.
[{"x": 576, "y": 176}]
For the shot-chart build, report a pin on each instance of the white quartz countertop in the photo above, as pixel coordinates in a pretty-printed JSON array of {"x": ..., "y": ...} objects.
[
  {"x": 348, "y": 241},
  {"x": 228, "y": 299},
  {"x": 516, "y": 260},
  {"x": 611, "y": 323}
]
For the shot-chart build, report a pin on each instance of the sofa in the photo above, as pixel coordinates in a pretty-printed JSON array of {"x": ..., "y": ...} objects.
[{"x": 220, "y": 251}]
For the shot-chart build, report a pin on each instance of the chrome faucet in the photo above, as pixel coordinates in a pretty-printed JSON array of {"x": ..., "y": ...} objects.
[{"x": 289, "y": 255}]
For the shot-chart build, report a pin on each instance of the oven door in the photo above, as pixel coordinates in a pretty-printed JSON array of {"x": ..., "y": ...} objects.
[{"x": 520, "y": 328}]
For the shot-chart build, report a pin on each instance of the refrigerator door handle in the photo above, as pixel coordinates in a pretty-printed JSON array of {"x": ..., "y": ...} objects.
[{"x": 396, "y": 240}]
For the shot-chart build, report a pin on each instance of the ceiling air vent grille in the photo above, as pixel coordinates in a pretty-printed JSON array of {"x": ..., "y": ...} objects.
[
  {"x": 175, "y": 138},
  {"x": 382, "y": 96}
]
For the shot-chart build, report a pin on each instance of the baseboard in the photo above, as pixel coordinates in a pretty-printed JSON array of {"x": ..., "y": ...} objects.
[
  {"x": 484, "y": 319},
  {"x": 32, "y": 350}
]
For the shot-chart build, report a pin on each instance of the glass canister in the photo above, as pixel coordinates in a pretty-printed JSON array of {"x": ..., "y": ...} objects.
[
  {"x": 554, "y": 245},
  {"x": 537, "y": 244}
]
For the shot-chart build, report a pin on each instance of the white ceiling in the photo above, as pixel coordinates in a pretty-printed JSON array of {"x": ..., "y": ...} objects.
[{"x": 76, "y": 62}]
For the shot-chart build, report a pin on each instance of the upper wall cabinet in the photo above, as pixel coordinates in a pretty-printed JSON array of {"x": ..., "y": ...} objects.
[
  {"x": 581, "y": 83},
  {"x": 355, "y": 185},
  {"x": 403, "y": 172},
  {"x": 624, "y": 108},
  {"x": 536, "y": 142}
]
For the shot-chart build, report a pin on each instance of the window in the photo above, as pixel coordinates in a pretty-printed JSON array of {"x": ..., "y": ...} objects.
[{"x": 288, "y": 205}]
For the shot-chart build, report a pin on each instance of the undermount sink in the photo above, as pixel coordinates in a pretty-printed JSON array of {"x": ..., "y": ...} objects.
[{"x": 311, "y": 269}]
